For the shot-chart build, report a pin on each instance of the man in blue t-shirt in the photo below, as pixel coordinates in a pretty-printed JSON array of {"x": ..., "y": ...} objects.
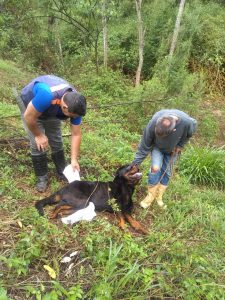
[{"x": 44, "y": 102}]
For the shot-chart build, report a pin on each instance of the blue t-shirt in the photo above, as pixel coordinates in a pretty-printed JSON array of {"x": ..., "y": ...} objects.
[{"x": 43, "y": 102}]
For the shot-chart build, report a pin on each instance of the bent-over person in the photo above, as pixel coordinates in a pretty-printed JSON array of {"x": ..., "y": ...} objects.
[
  {"x": 43, "y": 103},
  {"x": 164, "y": 138}
]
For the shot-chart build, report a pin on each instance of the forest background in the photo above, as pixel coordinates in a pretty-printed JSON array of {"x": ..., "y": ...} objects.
[{"x": 130, "y": 59}]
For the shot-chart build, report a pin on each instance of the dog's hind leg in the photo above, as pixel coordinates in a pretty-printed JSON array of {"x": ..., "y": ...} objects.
[
  {"x": 59, "y": 211},
  {"x": 66, "y": 212},
  {"x": 135, "y": 224},
  {"x": 51, "y": 200}
]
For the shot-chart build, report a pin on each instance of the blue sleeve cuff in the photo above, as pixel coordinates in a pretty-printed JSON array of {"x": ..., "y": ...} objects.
[
  {"x": 76, "y": 121},
  {"x": 42, "y": 97}
]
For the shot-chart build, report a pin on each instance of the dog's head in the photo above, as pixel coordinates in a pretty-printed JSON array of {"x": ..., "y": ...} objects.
[{"x": 131, "y": 173}]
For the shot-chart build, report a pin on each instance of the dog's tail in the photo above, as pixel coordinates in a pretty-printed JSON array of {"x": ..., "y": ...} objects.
[{"x": 51, "y": 200}]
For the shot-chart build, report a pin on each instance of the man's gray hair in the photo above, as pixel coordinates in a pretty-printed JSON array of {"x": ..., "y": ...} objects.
[{"x": 165, "y": 125}]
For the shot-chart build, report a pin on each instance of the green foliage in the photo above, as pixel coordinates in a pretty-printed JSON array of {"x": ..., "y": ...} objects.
[
  {"x": 9, "y": 109},
  {"x": 208, "y": 127},
  {"x": 123, "y": 46},
  {"x": 108, "y": 154},
  {"x": 177, "y": 79},
  {"x": 63, "y": 44},
  {"x": 9, "y": 74},
  {"x": 209, "y": 34},
  {"x": 183, "y": 256},
  {"x": 152, "y": 93},
  {"x": 3, "y": 294},
  {"x": 57, "y": 292},
  {"x": 204, "y": 166},
  {"x": 106, "y": 86},
  {"x": 175, "y": 74},
  {"x": 116, "y": 274},
  {"x": 33, "y": 242},
  {"x": 159, "y": 19}
]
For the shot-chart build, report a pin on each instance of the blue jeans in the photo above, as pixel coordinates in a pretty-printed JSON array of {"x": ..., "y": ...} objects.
[{"x": 161, "y": 167}]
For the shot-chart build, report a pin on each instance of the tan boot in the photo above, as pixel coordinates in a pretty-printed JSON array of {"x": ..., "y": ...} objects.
[
  {"x": 161, "y": 190},
  {"x": 152, "y": 190}
]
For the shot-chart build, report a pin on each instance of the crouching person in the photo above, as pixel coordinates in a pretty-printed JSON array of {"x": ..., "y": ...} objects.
[
  {"x": 43, "y": 103},
  {"x": 164, "y": 138}
]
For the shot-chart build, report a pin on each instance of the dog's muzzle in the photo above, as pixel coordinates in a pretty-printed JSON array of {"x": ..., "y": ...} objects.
[
  {"x": 137, "y": 176},
  {"x": 134, "y": 178}
]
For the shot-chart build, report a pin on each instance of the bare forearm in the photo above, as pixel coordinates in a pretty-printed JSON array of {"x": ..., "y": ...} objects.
[
  {"x": 32, "y": 125},
  {"x": 30, "y": 116},
  {"x": 75, "y": 146}
]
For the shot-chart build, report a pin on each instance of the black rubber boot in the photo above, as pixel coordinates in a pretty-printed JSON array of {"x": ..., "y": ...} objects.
[
  {"x": 60, "y": 163},
  {"x": 41, "y": 171}
]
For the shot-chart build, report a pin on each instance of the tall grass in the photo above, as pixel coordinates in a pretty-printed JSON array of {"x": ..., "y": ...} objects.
[{"x": 205, "y": 166}]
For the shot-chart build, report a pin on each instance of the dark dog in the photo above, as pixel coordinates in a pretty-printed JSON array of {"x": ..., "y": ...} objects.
[{"x": 113, "y": 196}]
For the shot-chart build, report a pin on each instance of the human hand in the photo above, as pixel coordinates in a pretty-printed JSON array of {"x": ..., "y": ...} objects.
[
  {"x": 42, "y": 142},
  {"x": 75, "y": 165},
  {"x": 177, "y": 150}
]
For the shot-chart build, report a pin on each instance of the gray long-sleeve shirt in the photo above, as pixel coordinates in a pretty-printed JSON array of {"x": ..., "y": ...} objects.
[{"x": 185, "y": 127}]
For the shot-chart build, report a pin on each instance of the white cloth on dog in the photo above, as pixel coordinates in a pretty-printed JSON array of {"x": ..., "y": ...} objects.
[
  {"x": 85, "y": 214},
  {"x": 70, "y": 174}
]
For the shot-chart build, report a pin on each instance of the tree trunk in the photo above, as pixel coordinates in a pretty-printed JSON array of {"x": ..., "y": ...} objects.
[
  {"x": 96, "y": 53},
  {"x": 105, "y": 33},
  {"x": 58, "y": 39},
  {"x": 140, "y": 41},
  {"x": 176, "y": 29}
]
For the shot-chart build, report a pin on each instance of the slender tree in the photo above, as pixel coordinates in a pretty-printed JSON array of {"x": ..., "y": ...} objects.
[
  {"x": 59, "y": 44},
  {"x": 105, "y": 33},
  {"x": 176, "y": 29},
  {"x": 141, "y": 34}
]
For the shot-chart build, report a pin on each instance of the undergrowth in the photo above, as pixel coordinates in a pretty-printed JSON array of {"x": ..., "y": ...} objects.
[
  {"x": 205, "y": 166},
  {"x": 183, "y": 256}
]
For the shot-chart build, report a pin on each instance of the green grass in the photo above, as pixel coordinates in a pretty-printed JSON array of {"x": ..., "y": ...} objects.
[
  {"x": 183, "y": 256},
  {"x": 9, "y": 68},
  {"x": 205, "y": 166},
  {"x": 8, "y": 109},
  {"x": 11, "y": 77}
]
